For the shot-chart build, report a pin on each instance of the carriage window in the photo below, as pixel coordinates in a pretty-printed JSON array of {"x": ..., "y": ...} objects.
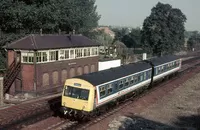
[
  {"x": 162, "y": 69},
  {"x": 132, "y": 80},
  {"x": 116, "y": 86},
  {"x": 109, "y": 88},
  {"x": 170, "y": 65},
  {"x": 167, "y": 66},
  {"x": 150, "y": 73},
  {"x": 177, "y": 63},
  {"x": 102, "y": 91},
  {"x": 156, "y": 70},
  {"x": 135, "y": 79},
  {"x": 145, "y": 75},
  {"x": 121, "y": 84},
  {"x": 159, "y": 70},
  {"x": 138, "y": 78},
  {"x": 141, "y": 77},
  {"x": 126, "y": 82}
]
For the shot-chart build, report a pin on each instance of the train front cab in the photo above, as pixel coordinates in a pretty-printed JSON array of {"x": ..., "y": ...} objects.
[{"x": 77, "y": 97}]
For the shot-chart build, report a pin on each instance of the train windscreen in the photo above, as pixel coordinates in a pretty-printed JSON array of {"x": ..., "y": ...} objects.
[{"x": 77, "y": 93}]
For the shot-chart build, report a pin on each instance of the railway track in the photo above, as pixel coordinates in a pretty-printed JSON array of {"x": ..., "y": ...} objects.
[
  {"x": 22, "y": 115},
  {"x": 18, "y": 116}
]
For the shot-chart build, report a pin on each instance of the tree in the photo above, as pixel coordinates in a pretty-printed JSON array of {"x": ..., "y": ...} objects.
[
  {"x": 163, "y": 30},
  {"x": 132, "y": 39},
  {"x": 50, "y": 15},
  {"x": 120, "y": 33},
  {"x": 103, "y": 38},
  {"x": 194, "y": 40},
  {"x": 129, "y": 38}
]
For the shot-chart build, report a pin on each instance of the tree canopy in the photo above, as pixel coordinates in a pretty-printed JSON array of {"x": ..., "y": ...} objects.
[
  {"x": 131, "y": 38},
  {"x": 194, "y": 40},
  {"x": 163, "y": 30},
  {"x": 50, "y": 15}
]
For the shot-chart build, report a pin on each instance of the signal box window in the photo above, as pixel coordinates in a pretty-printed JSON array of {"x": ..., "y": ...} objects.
[
  {"x": 27, "y": 57},
  {"x": 66, "y": 54},
  {"x": 85, "y": 52},
  {"x": 53, "y": 55},
  {"x": 71, "y": 54}
]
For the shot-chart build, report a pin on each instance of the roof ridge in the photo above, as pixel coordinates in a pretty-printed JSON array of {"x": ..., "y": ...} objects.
[
  {"x": 33, "y": 41},
  {"x": 59, "y": 35}
]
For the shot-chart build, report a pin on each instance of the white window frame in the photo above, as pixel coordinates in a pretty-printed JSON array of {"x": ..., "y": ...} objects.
[
  {"x": 27, "y": 54},
  {"x": 61, "y": 54},
  {"x": 70, "y": 56},
  {"x": 55, "y": 55},
  {"x": 42, "y": 60},
  {"x": 93, "y": 50},
  {"x": 90, "y": 52}
]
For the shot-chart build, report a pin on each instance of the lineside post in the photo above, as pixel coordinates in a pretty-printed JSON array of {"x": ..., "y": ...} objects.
[{"x": 1, "y": 91}]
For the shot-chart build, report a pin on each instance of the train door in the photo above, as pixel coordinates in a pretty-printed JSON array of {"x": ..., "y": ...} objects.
[{"x": 95, "y": 98}]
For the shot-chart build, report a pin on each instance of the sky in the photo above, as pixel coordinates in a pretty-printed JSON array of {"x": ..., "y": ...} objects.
[{"x": 133, "y": 12}]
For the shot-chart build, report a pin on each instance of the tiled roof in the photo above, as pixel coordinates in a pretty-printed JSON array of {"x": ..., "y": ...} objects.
[{"x": 43, "y": 42}]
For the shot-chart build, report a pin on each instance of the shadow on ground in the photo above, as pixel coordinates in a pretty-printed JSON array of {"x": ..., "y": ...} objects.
[
  {"x": 182, "y": 123},
  {"x": 188, "y": 121}
]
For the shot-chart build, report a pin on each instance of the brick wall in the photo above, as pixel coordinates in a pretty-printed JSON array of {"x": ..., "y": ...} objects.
[
  {"x": 27, "y": 77},
  {"x": 11, "y": 56}
]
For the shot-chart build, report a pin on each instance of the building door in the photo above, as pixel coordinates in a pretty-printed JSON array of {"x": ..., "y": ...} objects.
[{"x": 18, "y": 57}]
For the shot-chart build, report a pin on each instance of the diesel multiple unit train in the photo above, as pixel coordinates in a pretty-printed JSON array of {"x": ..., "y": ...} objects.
[{"x": 87, "y": 93}]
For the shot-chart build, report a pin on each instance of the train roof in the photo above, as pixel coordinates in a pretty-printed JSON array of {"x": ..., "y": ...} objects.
[
  {"x": 103, "y": 76},
  {"x": 100, "y": 77},
  {"x": 161, "y": 60}
]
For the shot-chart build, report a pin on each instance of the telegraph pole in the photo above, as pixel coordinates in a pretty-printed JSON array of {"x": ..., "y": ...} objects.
[{"x": 1, "y": 91}]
